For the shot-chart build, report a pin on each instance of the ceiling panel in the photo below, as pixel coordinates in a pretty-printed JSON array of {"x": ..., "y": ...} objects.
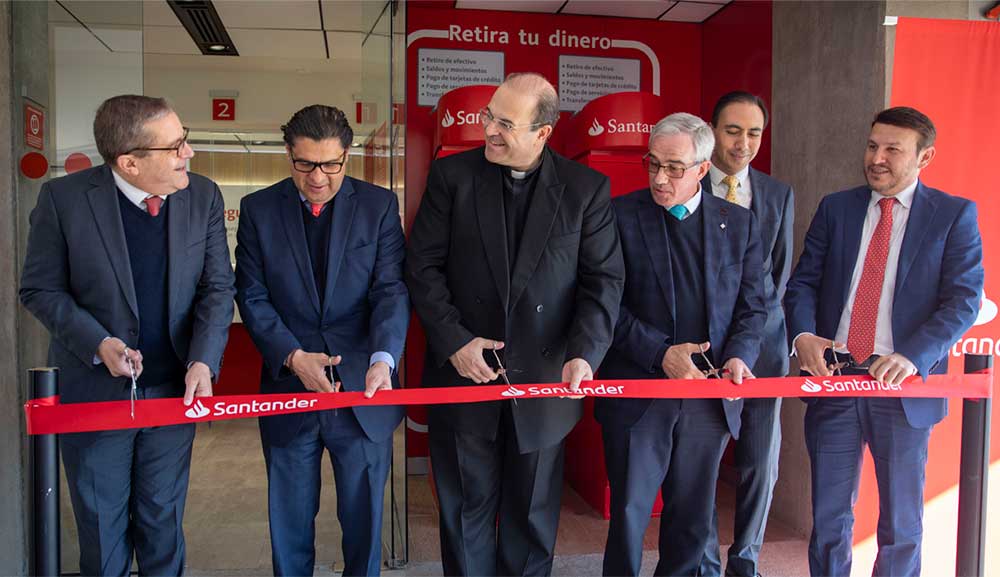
[
  {"x": 625, "y": 8},
  {"x": 296, "y": 44},
  {"x": 691, "y": 11},
  {"x": 158, "y": 13},
  {"x": 287, "y": 14},
  {"x": 167, "y": 40},
  {"x": 93, "y": 12},
  {"x": 345, "y": 45},
  {"x": 549, "y": 6},
  {"x": 59, "y": 14},
  {"x": 120, "y": 39},
  {"x": 68, "y": 38},
  {"x": 343, "y": 15}
]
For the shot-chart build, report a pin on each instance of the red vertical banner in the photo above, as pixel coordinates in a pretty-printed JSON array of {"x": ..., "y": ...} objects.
[{"x": 947, "y": 69}]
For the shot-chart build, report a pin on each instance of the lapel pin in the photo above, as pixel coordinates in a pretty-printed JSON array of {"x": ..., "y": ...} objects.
[{"x": 722, "y": 226}]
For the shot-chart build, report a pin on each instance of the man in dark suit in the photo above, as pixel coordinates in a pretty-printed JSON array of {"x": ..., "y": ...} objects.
[
  {"x": 692, "y": 288},
  {"x": 513, "y": 253},
  {"x": 127, "y": 263},
  {"x": 738, "y": 122},
  {"x": 890, "y": 277},
  {"x": 319, "y": 279}
]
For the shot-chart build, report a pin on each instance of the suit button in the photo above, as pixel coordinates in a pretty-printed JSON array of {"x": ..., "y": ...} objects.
[
  {"x": 133, "y": 332},
  {"x": 539, "y": 308},
  {"x": 546, "y": 352},
  {"x": 479, "y": 301}
]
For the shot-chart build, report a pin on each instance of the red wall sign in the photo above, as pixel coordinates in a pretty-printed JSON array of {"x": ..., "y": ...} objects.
[
  {"x": 34, "y": 127},
  {"x": 224, "y": 109}
]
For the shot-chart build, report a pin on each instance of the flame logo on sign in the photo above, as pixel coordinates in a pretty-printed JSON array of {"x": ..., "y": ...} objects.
[
  {"x": 987, "y": 311},
  {"x": 811, "y": 387},
  {"x": 512, "y": 392},
  {"x": 35, "y": 127},
  {"x": 196, "y": 411},
  {"x": 447, "y": 120},
  {"x": 595, "y": 129}
]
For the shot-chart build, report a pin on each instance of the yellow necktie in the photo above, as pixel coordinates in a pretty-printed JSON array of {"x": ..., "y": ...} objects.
[{"x": 733, "y": 184}]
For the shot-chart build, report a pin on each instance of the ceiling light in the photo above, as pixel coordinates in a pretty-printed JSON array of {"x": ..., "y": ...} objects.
[{"x": 217, "y": 47}]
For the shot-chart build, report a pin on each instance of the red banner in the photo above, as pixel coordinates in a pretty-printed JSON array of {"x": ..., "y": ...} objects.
[{"x": 48, "y": 416}]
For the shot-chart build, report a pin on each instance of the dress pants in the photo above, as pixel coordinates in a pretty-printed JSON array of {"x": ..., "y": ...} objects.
[
  {"x": 499, "y": 507},
  {"x": 756, "y": 454},
  {"x": 674, "y": 448},
  {"x": 836, "y": 430},
  {"x": 128, "y": 489},
  {"x": 360, "y": 470}
]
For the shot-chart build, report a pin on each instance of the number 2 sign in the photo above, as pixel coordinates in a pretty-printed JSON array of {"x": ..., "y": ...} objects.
[{"x": 223, "y": 109}]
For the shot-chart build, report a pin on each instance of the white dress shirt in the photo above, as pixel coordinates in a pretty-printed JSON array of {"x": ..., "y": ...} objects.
[
  {"x": 883, "y": 325},
  {"x": 693, "y": 203},
  {"x": 131, "y": 192},
  {"x": 744, "y": 193}
]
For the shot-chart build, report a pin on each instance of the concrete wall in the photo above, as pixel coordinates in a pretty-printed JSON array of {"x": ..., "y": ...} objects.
[{"x": 828, "y": 83}]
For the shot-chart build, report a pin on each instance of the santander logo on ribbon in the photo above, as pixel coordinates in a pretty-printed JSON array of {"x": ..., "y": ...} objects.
[
  {"x": 512, "y": 392},
  {"x": 197, "y": 410},
  {"x": 811, "y": 387}
]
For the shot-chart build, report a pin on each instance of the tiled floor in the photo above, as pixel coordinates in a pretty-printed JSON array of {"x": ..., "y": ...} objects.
[{"x": 226, "y": 520}]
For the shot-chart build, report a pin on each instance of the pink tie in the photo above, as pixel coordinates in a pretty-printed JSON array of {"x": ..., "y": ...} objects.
[
  {"x": 153, "y": 204},
  {"x": 861, "y": 335},
  {"x": 316, "y": 208}
]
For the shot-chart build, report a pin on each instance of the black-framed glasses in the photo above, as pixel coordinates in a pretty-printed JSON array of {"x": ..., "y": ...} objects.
[
  {"x": 176, "y": 148},
  {"x": 486, "y": 117},
  {"x": 329, "y": 167},
  {"x": 672, "y": 169}
]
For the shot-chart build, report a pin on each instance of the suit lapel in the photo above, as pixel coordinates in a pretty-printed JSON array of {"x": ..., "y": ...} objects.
[
  {"x": 757, "y": 196},
  {"x": 917, "y": 224},
  {"x": 295, "y": 230},
  {"x": 853, "y": 221},
  {"x": 654, "y": 233},
  {"x": 542, "y": 212},
  {"x": 343, "y": 216},
  {"x": 488, "y": 191},
  {"x": 103, "y": 197},
  {"x": 178, "y": 223}
]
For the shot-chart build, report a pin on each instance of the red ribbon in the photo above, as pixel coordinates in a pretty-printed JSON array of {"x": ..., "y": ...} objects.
[{"x": 47, "y": 416}]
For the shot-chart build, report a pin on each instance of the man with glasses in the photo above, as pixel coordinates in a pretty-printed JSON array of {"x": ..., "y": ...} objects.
[
  {"x": 319, "y": 279},
  {"x": 890, "y": 278},
  {"x": 128, "y": 268},
  {"x": 693, "y": 303},
  {"x": 513, "y": 253},
  {"x": 738, "y": 122}
]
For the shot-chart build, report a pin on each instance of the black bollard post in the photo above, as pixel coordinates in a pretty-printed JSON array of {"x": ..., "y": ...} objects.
[
  {"x": 973, "y": 477},
  {"x": 44, "y": 484}
]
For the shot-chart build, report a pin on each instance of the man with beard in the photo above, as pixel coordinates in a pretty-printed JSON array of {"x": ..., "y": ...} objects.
[{"x": 890, "y": 277}]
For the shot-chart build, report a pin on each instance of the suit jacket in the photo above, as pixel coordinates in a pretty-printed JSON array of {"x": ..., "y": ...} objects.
[
  {"x": 773, "y": 203},
  {"x": 733, "y": 297},
  {"x": 560, "y": 302},
  {"x": 939, "y": 280},
  {"x": 77, "y": 279},
  {"x": 365, "y": 308}
]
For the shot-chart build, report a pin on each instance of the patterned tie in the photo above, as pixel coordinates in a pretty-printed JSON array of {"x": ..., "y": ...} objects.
[
  {"x": 316, "y": 208},
  {"x": 678, "y": 211},
  {"x": 732, "y": 182},
  {"x": 861, "y": 335},
  {"x": 153, "y": 204}
]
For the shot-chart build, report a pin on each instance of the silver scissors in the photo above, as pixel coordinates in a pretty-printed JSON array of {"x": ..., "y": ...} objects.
[
  {"x": 135, "y": 385},
  {"x": 502, "y": 372},
  {"x": 712, "y": 372}
]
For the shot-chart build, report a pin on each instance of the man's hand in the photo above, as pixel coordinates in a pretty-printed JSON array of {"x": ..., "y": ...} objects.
[
  {"x": 892, "y": 369},
  {"x": 197, "y": 382},
  {"x": 738, "y": 370},
  {"x": 113, "y": 352},
  {"x": 677, "y": 363},
  {"x": 310, "y": 368},
  {"x": 575, "y": 371},
  {"x": 809, "y": 349},
  {"x": 378, "y": 378},
  {"x": 469, "y": 362}
]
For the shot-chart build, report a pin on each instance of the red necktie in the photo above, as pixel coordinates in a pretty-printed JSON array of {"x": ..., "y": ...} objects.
[
  {"x": 153, "y": 204},
  {"x": 861, "y": 334},
  {"x": 316, "y": 208}
]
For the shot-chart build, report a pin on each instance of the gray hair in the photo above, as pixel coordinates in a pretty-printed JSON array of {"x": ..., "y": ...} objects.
[
  {"x": 684, "y": 123},
  {"x": 120, "y": 124},
  {"x": 547, "y": 109}
]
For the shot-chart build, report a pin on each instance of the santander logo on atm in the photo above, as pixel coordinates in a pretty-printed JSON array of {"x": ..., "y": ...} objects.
[
  {"x": 615, "y": 126},
  {"x": 460, "y": 118}
]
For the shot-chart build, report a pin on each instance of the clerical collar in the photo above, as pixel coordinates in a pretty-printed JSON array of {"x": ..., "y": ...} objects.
[{"x": 523, "y": 174}]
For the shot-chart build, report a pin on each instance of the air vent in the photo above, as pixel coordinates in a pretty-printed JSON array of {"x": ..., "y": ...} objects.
[{"x": 202, "y": 22}]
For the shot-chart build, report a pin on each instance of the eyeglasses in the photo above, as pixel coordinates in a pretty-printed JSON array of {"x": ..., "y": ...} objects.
[
  {"x": 672, "y": 169},
  {"x": 331, "y": 167},
  {"x": 486, "y": 117},
  {"x": 176, "y": 148}
]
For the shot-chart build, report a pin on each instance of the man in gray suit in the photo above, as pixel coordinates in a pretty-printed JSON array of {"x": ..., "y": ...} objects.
[
  {"x": 738, "y": 121},
  {"x": 127, "y": 267}
]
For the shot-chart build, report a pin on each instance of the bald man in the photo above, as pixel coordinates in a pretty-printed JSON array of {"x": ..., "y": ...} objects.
[{"x": 513, "y": 262}]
